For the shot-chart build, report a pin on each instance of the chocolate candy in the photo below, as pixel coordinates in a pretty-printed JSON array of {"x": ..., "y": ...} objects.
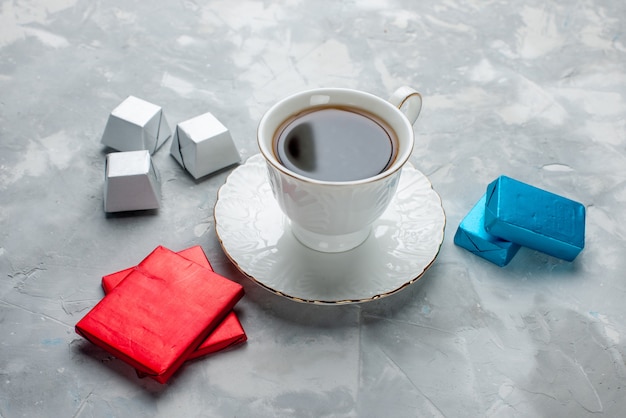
[
  {"x": 535, "y": 218},
  {"x": 472, "y": 236}
]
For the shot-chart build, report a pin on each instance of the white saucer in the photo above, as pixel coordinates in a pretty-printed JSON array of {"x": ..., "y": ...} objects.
[{"x": 256, "y": 236}]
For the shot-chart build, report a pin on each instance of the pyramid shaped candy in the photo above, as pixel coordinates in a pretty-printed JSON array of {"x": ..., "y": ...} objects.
[
  {"x": 131, "y": 182},
  {"x": 202, "y": 145},
  {"x": 136, "y": 124}
]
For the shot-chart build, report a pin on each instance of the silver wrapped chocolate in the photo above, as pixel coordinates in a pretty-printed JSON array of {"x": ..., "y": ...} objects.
[
  {"x": 136, "y": 124},
  {"x": 202, "y": 145},
  {"x": 131, "y": 182}
]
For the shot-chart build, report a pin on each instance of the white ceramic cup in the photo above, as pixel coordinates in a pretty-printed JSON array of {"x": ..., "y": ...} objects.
[{"x": 335, "y": 216}]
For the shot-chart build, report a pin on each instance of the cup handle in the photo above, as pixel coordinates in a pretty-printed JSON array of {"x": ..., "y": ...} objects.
[{"x": 409, "y": 101}]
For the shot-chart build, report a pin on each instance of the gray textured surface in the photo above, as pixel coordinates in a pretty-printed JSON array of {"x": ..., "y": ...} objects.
[{"x": 535, "y": 90}]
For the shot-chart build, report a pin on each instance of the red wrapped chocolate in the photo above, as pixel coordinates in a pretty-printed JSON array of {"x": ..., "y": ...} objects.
[
  {"x": 195, "y": 254},
  {"x": 160, "y": 313},
  {"x": 227, "y": 333}
]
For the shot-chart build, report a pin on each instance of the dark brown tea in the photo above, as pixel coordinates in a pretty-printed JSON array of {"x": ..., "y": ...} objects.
[{"x": 335, "y": 144}]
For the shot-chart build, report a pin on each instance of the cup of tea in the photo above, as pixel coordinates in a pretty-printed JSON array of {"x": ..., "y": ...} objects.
[{"x": 334, "y": 158}]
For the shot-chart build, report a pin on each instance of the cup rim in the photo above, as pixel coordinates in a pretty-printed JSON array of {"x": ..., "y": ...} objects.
[{"x": 270, "y": 158}]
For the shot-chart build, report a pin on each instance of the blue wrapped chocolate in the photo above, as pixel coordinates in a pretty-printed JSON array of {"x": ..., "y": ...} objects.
[
  {"x": 535, "y": 218},
  {"x": 472, "y": 236}
]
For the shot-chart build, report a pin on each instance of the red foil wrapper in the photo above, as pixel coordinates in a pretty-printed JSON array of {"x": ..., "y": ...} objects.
[
  {"x": 229, "y": 332},
  {"x": 160, "y": 313}
]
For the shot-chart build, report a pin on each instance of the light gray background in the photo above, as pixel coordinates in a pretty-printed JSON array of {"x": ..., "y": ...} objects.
[{"x": 532, "y": 89}]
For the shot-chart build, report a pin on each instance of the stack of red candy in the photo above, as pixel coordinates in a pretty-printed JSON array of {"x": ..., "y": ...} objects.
[{"x": 170, "y": 308}]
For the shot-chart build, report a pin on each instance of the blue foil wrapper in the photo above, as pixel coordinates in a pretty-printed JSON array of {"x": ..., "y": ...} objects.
[
  {"x": 472, "y": 236},
  {"x": 535, "y": 218}
]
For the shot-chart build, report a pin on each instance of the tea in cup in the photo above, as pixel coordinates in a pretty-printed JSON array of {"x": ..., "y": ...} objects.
[{"x": 334, "y": 158}]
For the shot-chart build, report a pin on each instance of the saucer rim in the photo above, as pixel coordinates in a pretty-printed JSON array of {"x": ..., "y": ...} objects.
[{"x": 325, "y": 302}]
